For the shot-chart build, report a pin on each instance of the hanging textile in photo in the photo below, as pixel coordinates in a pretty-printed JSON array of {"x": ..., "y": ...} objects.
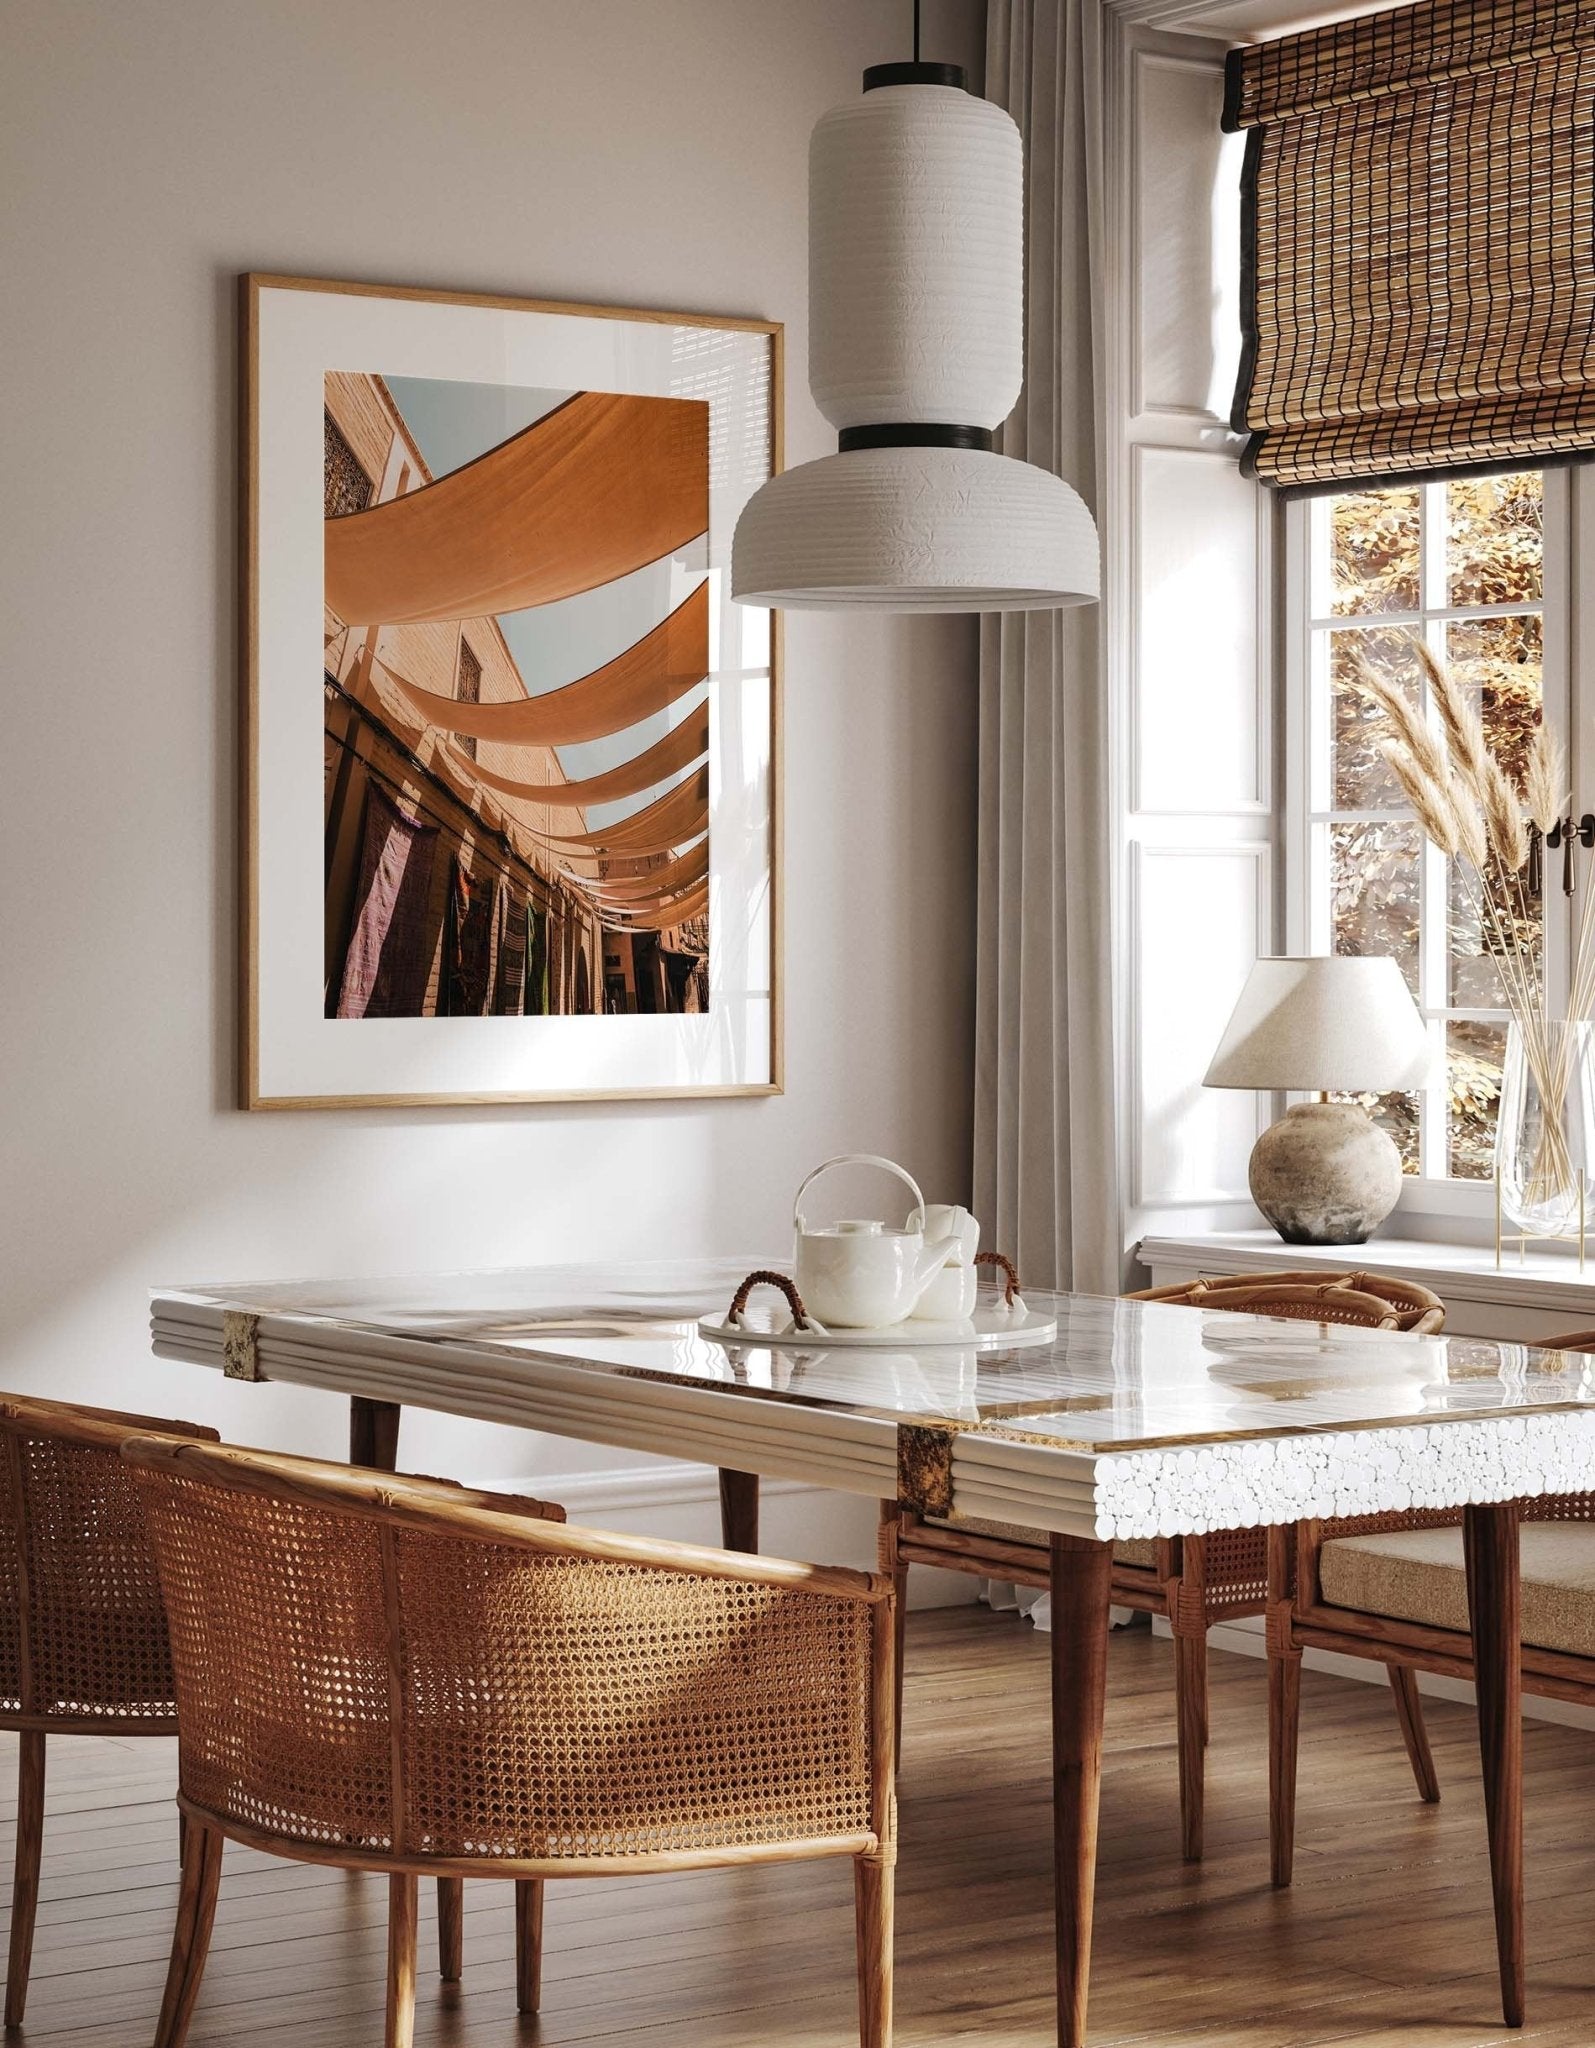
[
  {"x": 389, "y": 958},
  {"x": 509, "y": 978},
  {"x": 468, "y": 958}
]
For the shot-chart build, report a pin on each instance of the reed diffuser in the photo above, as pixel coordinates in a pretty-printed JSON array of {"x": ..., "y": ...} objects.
[{"x": 1498, "y": 832}]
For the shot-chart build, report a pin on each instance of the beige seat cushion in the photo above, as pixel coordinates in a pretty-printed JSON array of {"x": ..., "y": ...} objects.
[
  {"x": 1137, "y": 1552},
  {"x": 1417, "y": 1575}
]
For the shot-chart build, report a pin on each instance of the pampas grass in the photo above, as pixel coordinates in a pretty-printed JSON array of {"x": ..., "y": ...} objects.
[
  {"x": 1470, "y": 809},
  {"x": 1545, "y": 790}
]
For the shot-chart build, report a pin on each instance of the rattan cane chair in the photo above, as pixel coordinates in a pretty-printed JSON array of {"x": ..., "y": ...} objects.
[
  {"x": 83, "y": 1646},
  {"x": 386, "y": 1674},
  {"x": 1195, "y": 1582},
  {"x": 1393, "y": 1589}
]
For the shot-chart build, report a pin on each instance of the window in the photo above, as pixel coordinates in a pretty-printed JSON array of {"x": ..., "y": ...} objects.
[
  {"x": 468, "y": 690},
  {"x": 346, "y": 487},
  {"x": 1476, "y": 567}
]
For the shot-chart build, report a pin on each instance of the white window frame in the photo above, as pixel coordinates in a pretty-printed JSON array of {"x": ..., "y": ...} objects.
[{"x": 1306, "y": 760}]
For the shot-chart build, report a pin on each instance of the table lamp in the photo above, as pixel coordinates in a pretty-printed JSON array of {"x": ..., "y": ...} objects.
[{"x": 1325, "y": 1173}]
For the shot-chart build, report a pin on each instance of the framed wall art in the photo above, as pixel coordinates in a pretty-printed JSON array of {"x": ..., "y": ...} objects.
[{"x": 511, "y": 756}]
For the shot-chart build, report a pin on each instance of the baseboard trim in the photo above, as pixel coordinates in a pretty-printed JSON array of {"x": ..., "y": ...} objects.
[{"x": 669, "y": 1483}]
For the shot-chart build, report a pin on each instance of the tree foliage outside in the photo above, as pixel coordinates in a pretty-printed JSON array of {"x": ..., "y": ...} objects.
[{"x": 1490, "y": 553}]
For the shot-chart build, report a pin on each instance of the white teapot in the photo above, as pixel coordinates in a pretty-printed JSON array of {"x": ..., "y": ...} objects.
[
  {"x": 950, "y": 1297},
  {"x": 859, "y": 1274}
]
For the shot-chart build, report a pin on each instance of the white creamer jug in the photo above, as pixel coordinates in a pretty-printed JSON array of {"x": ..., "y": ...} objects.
[{"x": 950, "y": 1297}]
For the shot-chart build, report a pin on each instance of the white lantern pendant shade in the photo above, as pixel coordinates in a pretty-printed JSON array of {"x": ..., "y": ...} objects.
[
  {"x": 921, "y": 529},
  {"x": 916, "y": 285}
]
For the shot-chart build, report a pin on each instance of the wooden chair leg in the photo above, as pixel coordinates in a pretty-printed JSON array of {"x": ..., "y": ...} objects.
[
  {"x": 1409, "y": 1712},
  {"x": 196, "y": 1913},
  {"x": 374, "y": 1433},
  {"x": 451, "y": 1929},
  {"x": 402, "y": 1915},
  {"x": 1284, "y": 1727},
  {"x": 1490, "y": 1552},
  {"x": 873, "y": 1891},
  {"x": 25, "y": 1882},
  {"x": 1081, "y": 1574},
  {"x": 739, "y": 1511},
  {"x": 1190, "y": 1690},
  {"x": 528, "y": 1944}
]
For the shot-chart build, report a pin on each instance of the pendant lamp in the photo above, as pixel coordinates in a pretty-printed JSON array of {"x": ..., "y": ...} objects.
[{"x": 916, "y": 309}]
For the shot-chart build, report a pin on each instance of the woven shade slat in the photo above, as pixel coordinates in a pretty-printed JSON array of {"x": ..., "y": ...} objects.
[{"x": 1418, "y": 242}]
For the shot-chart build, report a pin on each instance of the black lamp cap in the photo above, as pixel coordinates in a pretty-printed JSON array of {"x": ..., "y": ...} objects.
[
  {"x": 916, "y": 74},
  {"x": 913, "y": 434}
]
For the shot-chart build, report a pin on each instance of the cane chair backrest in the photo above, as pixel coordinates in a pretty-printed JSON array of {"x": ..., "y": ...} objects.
[
  {"x": 412, "y": 1672},
  {"x": 1372, "y": 1301},
  {"x": 83, "y": 1639}
]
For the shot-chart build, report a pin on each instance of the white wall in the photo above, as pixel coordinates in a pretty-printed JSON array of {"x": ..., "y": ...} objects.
[{"x": 618, "y": 151}]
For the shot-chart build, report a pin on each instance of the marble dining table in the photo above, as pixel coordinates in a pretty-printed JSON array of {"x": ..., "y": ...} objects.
[{"x": 1135, "y": 1419}]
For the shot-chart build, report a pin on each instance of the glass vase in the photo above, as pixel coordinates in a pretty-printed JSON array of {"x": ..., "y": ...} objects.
[{"x": 1545, "y": 1135}]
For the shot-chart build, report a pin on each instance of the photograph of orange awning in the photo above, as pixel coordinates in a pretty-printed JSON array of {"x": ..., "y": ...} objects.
[
  {"x": 595, "y": 489},
  {"x": 645, "y": 680},
  {"x": 683, "y": 747},
  {"x": 538, "y": 843},
  {"x": 681, "y": 814}
]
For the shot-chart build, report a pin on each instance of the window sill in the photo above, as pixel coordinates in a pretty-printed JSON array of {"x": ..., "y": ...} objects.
[{"x": 1529, "y": 1297}]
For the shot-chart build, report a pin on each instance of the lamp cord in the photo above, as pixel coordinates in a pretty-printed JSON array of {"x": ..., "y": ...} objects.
[{"x": 916, "y": 31}]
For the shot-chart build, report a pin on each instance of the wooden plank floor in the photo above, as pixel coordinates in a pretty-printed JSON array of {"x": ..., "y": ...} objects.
[{"x": 1385, "y": 1942}]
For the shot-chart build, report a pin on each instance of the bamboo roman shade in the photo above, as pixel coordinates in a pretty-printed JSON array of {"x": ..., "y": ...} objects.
[{"x": 1419, "y": 242}]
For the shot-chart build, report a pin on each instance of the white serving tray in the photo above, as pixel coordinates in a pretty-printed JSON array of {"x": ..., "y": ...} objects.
[{"x": 988, "y": 1329}]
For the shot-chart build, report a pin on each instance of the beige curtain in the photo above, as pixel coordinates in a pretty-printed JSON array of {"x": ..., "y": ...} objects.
[{"x": 1046, "y": 1173}]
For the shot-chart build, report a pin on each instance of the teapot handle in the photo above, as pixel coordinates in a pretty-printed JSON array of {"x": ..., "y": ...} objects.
[{"x": 859, "y": 1159}]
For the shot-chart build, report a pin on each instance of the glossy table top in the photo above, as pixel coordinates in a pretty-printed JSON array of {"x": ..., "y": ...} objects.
[{"x": 1120, "y": 1375}]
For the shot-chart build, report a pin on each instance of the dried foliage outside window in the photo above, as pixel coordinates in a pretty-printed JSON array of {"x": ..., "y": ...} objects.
[{"x": 1487, "y": 551}]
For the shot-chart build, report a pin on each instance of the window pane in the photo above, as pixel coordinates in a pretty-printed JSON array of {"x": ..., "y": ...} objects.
[
  {"x": 1361, "y": 778},
  {"x": 1494, "y": 539},
  {"x": 1498, "y": 660},
  {"x": 1500, "y": 663},
  {"x": 1374, "y": 552},
  {"x": 1397, "y": 1115},
  {"x": 1474, "y": 1057},
  {"x": 1374, "y": 873}
]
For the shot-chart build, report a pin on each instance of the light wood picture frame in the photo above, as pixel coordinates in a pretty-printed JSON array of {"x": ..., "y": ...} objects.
[{"x": 547, "y": 746}]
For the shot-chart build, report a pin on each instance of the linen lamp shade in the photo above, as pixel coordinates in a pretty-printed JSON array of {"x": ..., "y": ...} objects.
[
  {"x": 916, "y": 355},
  {"x": 1333, "y": 1023}
]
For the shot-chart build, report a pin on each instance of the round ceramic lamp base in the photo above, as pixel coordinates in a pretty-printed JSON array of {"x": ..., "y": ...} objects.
[{"x": 1324, "y": 1174}]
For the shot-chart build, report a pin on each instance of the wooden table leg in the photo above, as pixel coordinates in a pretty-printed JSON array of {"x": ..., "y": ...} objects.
[
  {"x": 1080, "y": 1575},
  {"x": 739, "y": 1511},
  {"x": 374, "y": 1433},
  {"x": 1490, "y": 1549}
]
